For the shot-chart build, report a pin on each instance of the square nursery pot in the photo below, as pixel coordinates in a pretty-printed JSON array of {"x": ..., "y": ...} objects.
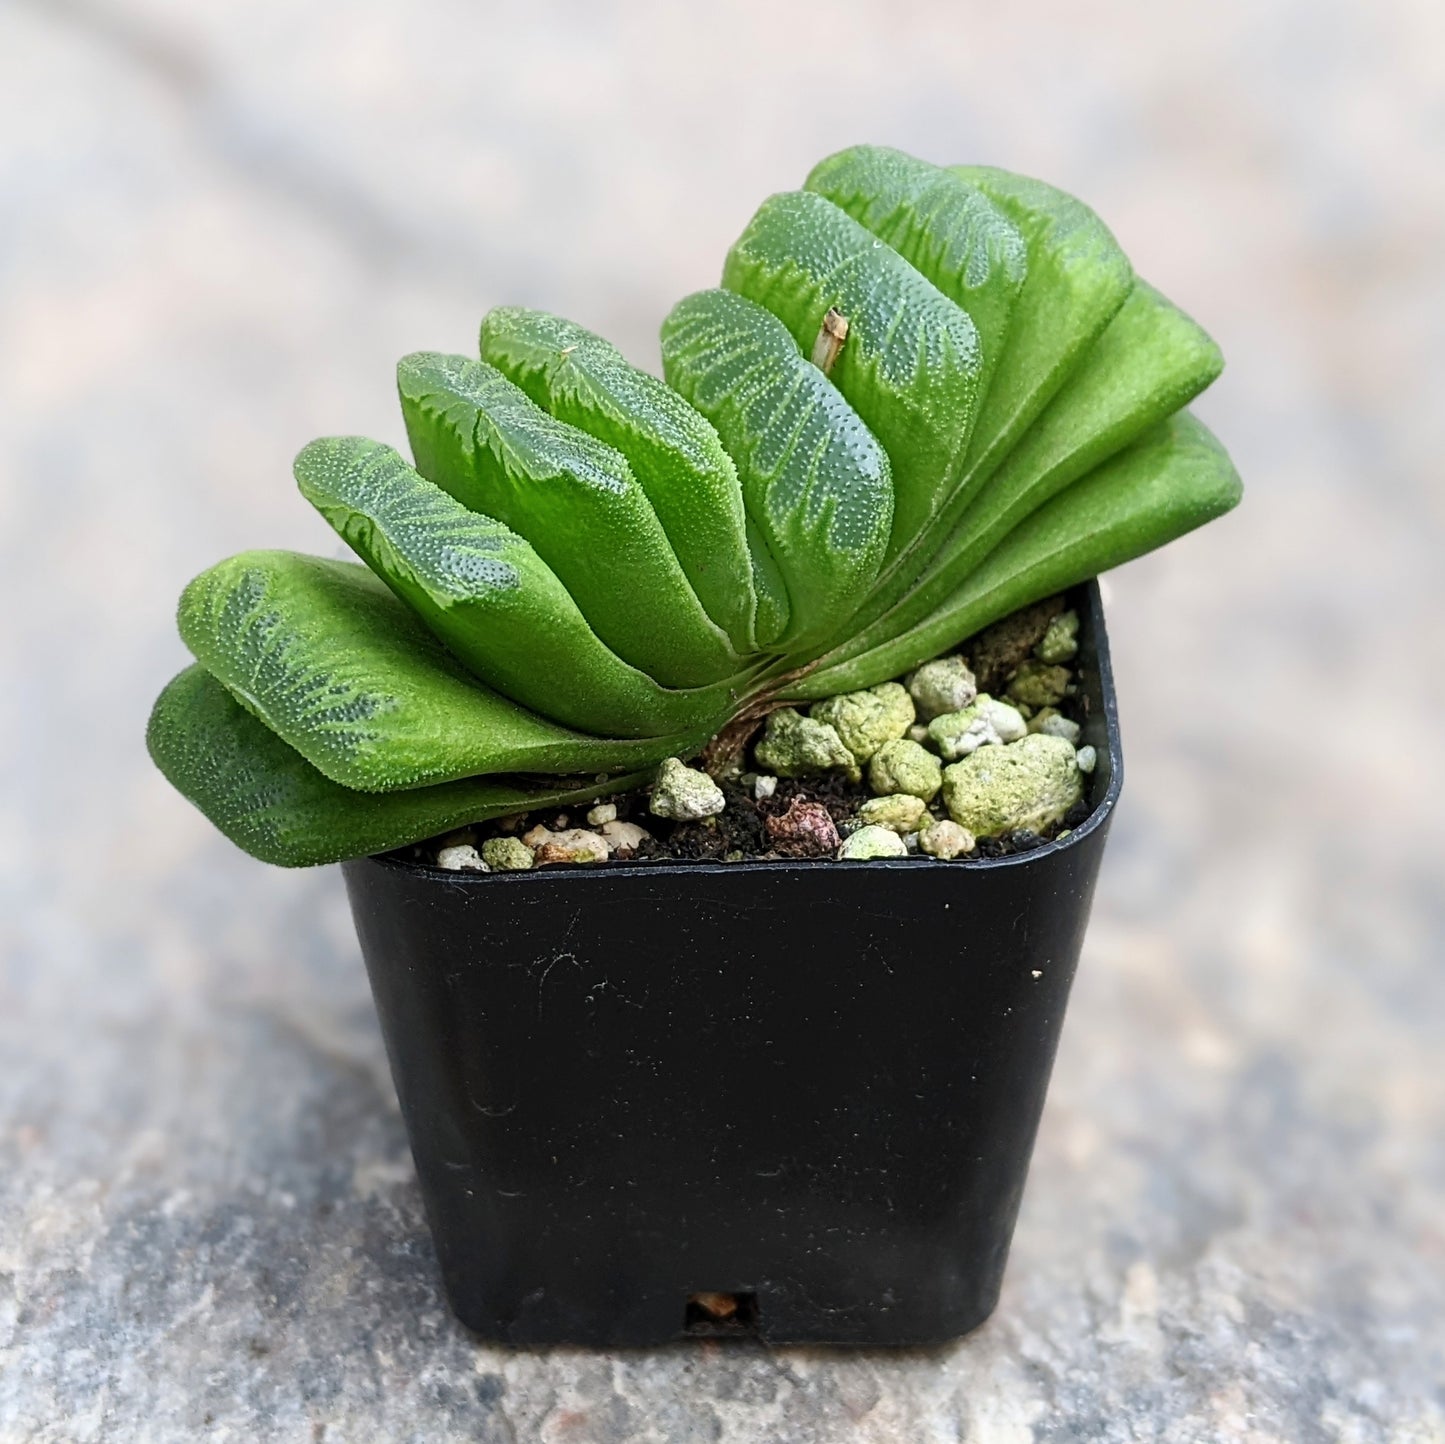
[{"x": 788, "y": 1099}]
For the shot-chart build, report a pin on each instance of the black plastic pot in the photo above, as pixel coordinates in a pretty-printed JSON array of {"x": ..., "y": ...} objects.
[{"x": 810, "y": 1086}]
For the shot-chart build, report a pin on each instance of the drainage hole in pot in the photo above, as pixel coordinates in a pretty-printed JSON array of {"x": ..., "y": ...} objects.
[{"x": 713, "y": 1313}]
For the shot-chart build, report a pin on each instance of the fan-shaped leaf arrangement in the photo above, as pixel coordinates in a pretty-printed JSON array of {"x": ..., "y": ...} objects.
[{"x": 922, "y": 398}]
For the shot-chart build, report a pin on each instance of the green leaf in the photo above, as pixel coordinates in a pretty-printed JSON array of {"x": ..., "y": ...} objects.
[
  {"x": 335, "y": 665},
  {"x": 770, "y": 622},
  {"x": 481, "y": 438},
  {"x": 675, "y": 455},
  {"x": 1077, "y": 280},
  {"x": 951, "y": 233},
  {"x": 815, "y": 481},
  {"x": 487, "y": 594},
  {"x": 911, "y": 363},
  {"x": 265, "y": 797},
  {"x": 1173, "y": 479},
  {"x": 1150, "y": 361},
  {"x": 946, "y": 229}
]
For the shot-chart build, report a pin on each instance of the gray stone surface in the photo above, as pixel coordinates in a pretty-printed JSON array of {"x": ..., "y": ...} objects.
[{"x": 219, "y": 226}]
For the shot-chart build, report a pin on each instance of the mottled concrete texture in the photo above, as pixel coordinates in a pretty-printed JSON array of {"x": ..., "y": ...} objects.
[{"x": 223, "y": 222}]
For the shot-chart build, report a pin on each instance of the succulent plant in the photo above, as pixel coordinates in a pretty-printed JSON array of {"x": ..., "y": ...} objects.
[{"x": 921, "y": 398}]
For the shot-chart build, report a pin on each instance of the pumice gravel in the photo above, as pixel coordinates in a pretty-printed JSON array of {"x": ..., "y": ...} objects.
[{"x": 988, "y": 777}]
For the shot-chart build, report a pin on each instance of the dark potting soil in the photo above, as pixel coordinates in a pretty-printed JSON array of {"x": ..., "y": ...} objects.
[
  {"x": 742, "y": 831},
  {"x": 739, "y": 833}
]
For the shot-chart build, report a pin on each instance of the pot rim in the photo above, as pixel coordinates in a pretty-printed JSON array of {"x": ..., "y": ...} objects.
[{"x": 1098, "y": 816}]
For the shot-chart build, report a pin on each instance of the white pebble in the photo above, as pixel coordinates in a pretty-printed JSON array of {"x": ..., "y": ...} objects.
[
  {"x": 984, "y": 722},
  {"x": 603, "y": 812},
  {"x": 573, "y": 844},
  {"x": 870, "y": 842},
  {"x": 1086, "y": 759},
  {"x": 1060, "y": 726},
  {"x": 1007, "y": 721},
  {"x": 625, "y": 836},
  {"x": 764, "y": 786},
  {"x": 462, "y": 857},
  {"x": 947, "y": 840}
]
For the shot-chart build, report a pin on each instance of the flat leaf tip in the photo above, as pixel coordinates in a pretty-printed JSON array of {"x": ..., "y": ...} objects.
[{"x": 268, "y": 800}]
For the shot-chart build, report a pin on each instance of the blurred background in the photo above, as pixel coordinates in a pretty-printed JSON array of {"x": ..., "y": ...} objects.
[{"x": 221, "y": 224}]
